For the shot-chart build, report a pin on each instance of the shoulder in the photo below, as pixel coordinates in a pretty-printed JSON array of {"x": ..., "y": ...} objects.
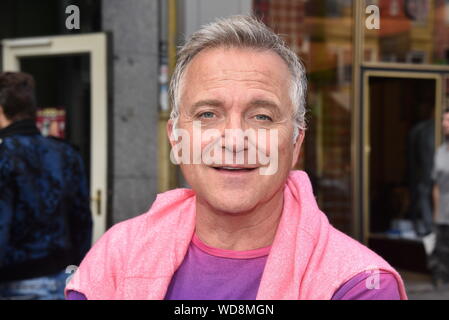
[
  {"x": 375, "y": 285},
  {"x": 350, "y": 258},
  {"x": 61, "y": 146},
  {"x": 163, "y": 213},
  {"x": 441, "y": 155},
  {"x": 24, "y": 146},
  {"x": 64, "y": 146},
  {"x": 123, "y": 250},
  {"x": 443, "y": 149},
  {"x": 11, "y": 143},
  {"x": 122, "y": 234},
  {"x": 62, "y": 154},
  {"x": 166, "y": 208},
  {"x": 13, "y": 148},
  {"x": 6, "y": 162},
  {"x": 3, "y": 149},
  {"x": 107, "y": 257},
  {"x": 126, "y": 242},
  {"x": 349, "y": 248}
]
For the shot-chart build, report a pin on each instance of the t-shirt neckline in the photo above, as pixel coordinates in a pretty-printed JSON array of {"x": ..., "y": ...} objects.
[{"x": 230, "y": 254}]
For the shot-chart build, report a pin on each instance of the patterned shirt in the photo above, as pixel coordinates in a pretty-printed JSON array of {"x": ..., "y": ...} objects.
[{"x": 45, "y": 220}]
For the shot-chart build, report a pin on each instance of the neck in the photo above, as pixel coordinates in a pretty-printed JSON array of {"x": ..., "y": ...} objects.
[
  {"x": 4, "y": 122},
  {"x": 243, "y": 231}
]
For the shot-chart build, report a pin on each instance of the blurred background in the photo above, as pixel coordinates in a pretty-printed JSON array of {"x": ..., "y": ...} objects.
[{"x": 373, "y": 93}]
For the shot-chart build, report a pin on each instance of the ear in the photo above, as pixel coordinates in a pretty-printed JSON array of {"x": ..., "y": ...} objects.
[
  {"x": 297, "y": 147},
  {"x": 4, "y": 122},
  {"x": 169, "y": 129}
]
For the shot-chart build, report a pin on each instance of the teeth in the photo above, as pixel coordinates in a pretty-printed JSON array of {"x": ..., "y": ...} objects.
[{"x": 232, "y": 168}]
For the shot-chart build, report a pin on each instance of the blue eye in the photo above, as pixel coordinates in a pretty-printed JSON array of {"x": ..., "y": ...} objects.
[
  {"x": 207, "y": 115},
  {"x": 263, "y": 117}
]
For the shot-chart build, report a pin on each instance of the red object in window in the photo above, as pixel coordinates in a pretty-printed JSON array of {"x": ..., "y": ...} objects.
[{"x": 51, "y": 122}]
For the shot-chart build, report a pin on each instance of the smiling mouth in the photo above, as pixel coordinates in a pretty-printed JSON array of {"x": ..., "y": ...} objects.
[{"x": 233, "y": 169}]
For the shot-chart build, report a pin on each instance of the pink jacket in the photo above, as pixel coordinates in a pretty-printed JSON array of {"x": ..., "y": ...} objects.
[{"x": 309, "y": 259}]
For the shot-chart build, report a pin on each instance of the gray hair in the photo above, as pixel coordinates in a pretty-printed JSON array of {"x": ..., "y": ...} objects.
[{"x": 241, "y": 31}]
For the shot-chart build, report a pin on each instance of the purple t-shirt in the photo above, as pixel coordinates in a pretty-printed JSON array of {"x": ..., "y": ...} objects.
[{"x": 209, "y": 273}]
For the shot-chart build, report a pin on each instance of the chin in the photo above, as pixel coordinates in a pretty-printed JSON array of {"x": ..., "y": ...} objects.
[
  {"x": 233, "y": 210},
  {"x": 232, "y": 205}
]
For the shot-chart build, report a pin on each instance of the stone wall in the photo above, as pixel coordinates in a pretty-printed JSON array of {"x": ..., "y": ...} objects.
[{"x": 133, "y": 27}]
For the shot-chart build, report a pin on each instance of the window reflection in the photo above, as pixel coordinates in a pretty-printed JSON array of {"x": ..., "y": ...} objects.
[
  {"x": 320, "y": 31},
  {"x": 411, "y": 31}
]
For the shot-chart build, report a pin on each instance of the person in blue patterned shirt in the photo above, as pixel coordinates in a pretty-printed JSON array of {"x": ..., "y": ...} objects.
[{"x": 45, "y": 218}]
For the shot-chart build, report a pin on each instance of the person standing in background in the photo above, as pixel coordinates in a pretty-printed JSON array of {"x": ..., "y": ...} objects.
[
  {"x": 421, "y": 154},
  {"x": 45, "y": 218},
  {"x": 439, "y": 261}
]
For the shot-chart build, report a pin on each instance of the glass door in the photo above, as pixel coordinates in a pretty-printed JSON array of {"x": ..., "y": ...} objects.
[
  {"x": 402, "y": 128},
  {"x": 70, "y": 74}
]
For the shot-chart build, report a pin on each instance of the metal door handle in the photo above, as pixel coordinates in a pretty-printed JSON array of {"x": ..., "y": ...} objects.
[{"x": 97, "y": 200}]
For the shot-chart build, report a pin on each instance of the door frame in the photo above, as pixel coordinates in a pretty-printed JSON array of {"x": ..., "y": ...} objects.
[
  {"x": 365, "y": 145},
  {"x": 95, "y": 45}
]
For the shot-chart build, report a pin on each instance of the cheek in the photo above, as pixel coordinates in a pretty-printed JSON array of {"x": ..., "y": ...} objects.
[
  {"x": 272, "y": 140},
  {"x": 280, "y": 143},
  {"x": 197, "y": 142},
  {"x": 286, "y": 154},
  {"x": 209, "y": 137}
]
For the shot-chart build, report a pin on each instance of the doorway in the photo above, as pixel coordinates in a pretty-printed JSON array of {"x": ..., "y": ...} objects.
[
  {"x": 63, "y": 87},
  {"x": 401, "y": 131},
  {"x": 71, "y": 90}
]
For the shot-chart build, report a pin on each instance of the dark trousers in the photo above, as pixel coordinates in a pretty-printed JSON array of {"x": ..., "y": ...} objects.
[
  {"x": 439, "y": 259},
  {"x": 422, "y": 213}
]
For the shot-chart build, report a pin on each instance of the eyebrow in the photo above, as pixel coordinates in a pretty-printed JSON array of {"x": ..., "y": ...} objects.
[
  {"x": 207, "y": 102},
  {"x": 264, "y": 104},
  {"x": 261, "y": 103}
]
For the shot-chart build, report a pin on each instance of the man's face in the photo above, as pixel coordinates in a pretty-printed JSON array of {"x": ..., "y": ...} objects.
[
  {"x": 238, "y": 89},
  {"x": 446, "y": 124}
]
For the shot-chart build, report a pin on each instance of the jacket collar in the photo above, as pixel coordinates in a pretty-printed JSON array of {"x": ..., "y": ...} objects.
[{"x": 22, "y": 127}]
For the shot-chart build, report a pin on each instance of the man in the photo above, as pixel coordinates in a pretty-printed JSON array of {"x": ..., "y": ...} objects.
[
  {"x": 439, "y": 261},
  {"x": 45, "y": 220},
  {"x": 420, "y": 155},
  {"x": 249, "y": 228}
]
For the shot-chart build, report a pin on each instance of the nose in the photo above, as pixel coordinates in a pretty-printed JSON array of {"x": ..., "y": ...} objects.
[
  {"x": 233, "y": 133},
  {"x": 234, "y": 121}
]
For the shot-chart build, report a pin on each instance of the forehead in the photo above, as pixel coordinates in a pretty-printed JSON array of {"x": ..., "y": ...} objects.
[{"x": 238, "y": 69}]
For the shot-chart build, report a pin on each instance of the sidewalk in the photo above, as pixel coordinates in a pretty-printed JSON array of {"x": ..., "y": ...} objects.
[{"x": 419, "y": 287}]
